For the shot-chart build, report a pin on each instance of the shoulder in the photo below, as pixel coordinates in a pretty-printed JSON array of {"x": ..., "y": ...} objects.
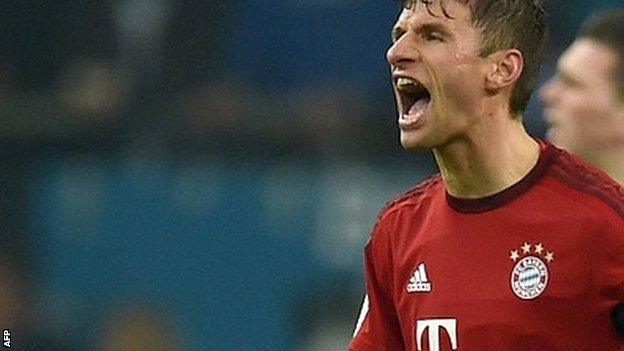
[
  {"x": 411, "y": 200},
  {"x": 583, "y": 195},
  {"x": 588, "y": 185}
]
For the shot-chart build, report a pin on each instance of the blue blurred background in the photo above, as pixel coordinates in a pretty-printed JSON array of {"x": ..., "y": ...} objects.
[{"x": 199, "y": 175}]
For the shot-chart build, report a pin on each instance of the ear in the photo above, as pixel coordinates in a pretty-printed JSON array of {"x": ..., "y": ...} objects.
[{"x": 505, "y": 70}]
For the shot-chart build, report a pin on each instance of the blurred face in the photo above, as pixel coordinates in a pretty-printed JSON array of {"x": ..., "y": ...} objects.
[
  {"x": 437, "y": 74},
  {"x": 582, "y": 106}
]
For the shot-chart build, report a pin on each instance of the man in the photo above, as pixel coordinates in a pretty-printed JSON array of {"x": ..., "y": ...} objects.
[
  {"x": 585, "y": 99},
  {"x": 516, "y": 245}
]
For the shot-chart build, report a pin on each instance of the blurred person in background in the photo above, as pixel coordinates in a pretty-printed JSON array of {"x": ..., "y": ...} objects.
[
  {"x": 585, "y": 99},
  {"x": 517, "y": 244}
]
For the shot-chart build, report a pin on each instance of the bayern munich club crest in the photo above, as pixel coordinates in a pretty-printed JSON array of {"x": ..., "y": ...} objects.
[{"x": 529, "y": 276}]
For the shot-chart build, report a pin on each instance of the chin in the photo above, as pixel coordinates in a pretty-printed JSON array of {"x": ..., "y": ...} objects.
[{"x": 412, "y": 144}]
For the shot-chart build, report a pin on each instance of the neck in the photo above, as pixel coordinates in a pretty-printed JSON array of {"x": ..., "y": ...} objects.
[{"x": 494, "y": 155}]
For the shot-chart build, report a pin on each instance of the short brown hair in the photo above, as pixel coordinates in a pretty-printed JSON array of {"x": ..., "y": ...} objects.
[
  {"x": 506, "y": 24},
  {"x": 607, "y": 28}
]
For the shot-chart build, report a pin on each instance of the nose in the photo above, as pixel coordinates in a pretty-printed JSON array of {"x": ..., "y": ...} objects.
[
  {"x": 401, "y": 51},
  {"x": 548, "y": 92}
]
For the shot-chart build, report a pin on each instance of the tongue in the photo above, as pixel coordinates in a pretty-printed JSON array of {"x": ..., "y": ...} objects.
[{"x": 418, "y": 108}]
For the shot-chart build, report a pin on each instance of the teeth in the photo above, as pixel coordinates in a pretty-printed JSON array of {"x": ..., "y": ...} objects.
[{"x": 404, "y": 82}]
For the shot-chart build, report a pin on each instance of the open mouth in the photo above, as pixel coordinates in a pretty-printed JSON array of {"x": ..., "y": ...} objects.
[{"x": 414, "y": 97}]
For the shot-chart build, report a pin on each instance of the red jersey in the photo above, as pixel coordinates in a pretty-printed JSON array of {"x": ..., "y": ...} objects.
[{"x": 539, "y": 266}]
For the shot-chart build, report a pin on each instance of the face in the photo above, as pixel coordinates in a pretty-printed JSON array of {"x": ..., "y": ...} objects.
[
  {"x": 582, "y": 107},
  {"x": 437, "y": 74}
]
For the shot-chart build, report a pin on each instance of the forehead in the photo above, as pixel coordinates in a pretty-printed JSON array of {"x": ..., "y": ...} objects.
[
  {"x": 448, "y": 13},
  {"x": 589, "y": 60}
]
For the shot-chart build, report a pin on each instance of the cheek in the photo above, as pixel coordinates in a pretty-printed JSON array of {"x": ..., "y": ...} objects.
[
  {"x": 578, "y": 124},
  {"x": 588, "y": 126},
  {"x": 588, "y": 112},
  {"x": 467, "y": 79},
  {"x": 462, "y": 88},
  {"x": 577, "y": 110},
  {"x": 458, "y": 88}
]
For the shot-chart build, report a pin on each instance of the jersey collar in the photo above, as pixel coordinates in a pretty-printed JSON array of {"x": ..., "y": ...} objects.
[{"x": 500, "y": 199}]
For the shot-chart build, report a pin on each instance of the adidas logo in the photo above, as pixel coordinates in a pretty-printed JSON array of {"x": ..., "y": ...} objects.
[{"x": 419, "y": 282}]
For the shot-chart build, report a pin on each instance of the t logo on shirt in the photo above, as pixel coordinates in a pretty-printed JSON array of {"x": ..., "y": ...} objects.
[{"x": 434, "y": 326}]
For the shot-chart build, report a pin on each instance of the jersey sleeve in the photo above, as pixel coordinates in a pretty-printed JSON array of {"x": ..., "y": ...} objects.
[{"x": 378, "y": 327}]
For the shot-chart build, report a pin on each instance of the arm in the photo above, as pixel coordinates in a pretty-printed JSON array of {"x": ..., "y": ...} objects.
[{"x": 378, "y": 327}]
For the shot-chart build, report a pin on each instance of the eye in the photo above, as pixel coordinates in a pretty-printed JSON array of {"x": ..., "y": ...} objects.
[
  {"x": 432, "y": 36},
  {"x": 567, "y": 81}
]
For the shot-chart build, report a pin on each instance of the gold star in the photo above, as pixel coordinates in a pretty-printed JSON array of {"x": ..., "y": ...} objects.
[
  {"x": 549, "y": 257},
  {"x": 526, "y": 248},
  {"x": 514, "y": 255},
  {"x": 539, "y": 248}
]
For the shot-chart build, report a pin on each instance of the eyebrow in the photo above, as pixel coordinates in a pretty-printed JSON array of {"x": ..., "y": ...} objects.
[
  {"x": 429, "y": 27},
  {"x": 433, "y": 27},
  {"x": 396, "y": 33}
]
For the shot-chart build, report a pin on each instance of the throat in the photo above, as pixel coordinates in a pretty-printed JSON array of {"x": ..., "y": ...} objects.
[{"x": 478, "y": 172}]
